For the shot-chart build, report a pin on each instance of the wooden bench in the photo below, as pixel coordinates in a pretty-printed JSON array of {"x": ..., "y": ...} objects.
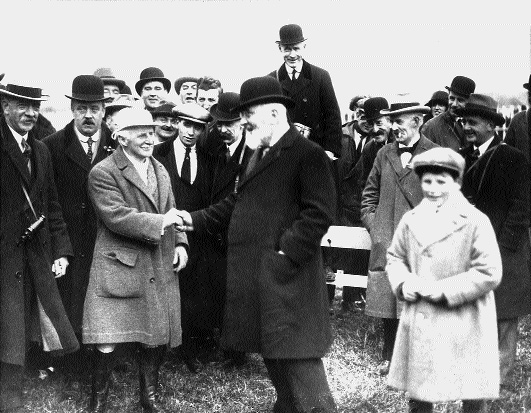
[{"x": 355, "y": 238}]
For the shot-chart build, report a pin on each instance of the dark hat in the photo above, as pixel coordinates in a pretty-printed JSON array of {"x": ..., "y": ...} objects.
[
  {"x": 260, "y": 90},
  {"x": 179, "y": 82},
  {"x": 444, "y": 159},
  {"x": 483, "y": 106},
  {"x": 526, "y": 85},
  {"x": 88, "y": 88},
  {"x": 438, "y": 97},
  {"x": 152, "y": 74},
  {"x": 164, "y": 110},
  {"x": 23, "y": 92},
  {"x": 357, "y": 102},
  {"x": 224, "y": 110},
  {"x": 2, "y": 76},
  {"x": 126, "y": 90},
  {"x": 192, "y": 112},
  {"x": 106, "y": 75},
  {"x": 405, "y": 107},
  {"x": 290, "y": 34},
  {"x": 373, "y": 106},
  {"x": 462, "y": 85}
]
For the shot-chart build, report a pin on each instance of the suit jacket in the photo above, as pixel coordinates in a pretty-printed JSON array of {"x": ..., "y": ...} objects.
[
  {"x": 277, "y": 304},
  {"x": 315, "y": 104},
  {"x": 498, "y": 185},
  {"x": 71, "y": 168},
  {"x": 441, "y": 131},
  {"x": 133, "y": 293},
  {"x": 29, "y": 264}
]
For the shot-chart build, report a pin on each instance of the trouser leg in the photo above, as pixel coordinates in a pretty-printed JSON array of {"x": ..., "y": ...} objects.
[
  {"x": 101, "y": 379},
  {"x": 390, "y": 327},
  {"x": 474, "y": 406},
  {"x": 417, "y": 406},
  {"x": 149, "y": 362},
  {"x": 11, "y": 383},
  {"x": 507, "y": 340}
]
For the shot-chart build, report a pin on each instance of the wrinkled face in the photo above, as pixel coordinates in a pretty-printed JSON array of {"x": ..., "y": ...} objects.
[
  {"x": 139, "y": 142},
  {"x": 230, "y": 132},
  {"x": 153, "y": 94},
  {"x": 87, "y": 116},
  {"x": 477, "y": 130},
  {"x": 189, "y": 132},
  {"x": 258, "y": 121},
  {"x": 110, "y": 122},
  {"x": 166, "y": 127},
  {"x": 111, "y": 91},
  {"x": 188, "y": 92},
  {"x": 438, "y": 108},
  {"x": 21, "y": 115},
  {"x": 455, "y": 101},
  {"x": 405, "y": 127},
  {"x": 380, "y": 128},
  {"x": 362, "y": 121},
  {"x": 207, "y": 98},
  {"x": 292, "y": 53},
  {"x": 437, "y": 187}
]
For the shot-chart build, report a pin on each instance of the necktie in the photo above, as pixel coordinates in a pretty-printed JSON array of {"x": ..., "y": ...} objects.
[
  {"x": 27, "y": 153},
  {"x": 227, "y": 154},
  {"x": 474, "y": 156},
  {"x": 152, "y": 182},
  {"x": 294, "y": 74},
  {"x": 186, "y": 171},
  {"x": 257, "y": 156},
  {"x": 89, "y": 150},
  {"x": 404, "y": 149}
]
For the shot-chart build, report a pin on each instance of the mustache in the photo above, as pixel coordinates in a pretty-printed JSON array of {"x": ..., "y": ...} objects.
[
  {"x": 167, "y": 128},
  {"x": 88, "y": 122}
]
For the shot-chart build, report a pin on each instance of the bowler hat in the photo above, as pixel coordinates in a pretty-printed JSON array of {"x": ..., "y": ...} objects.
[
  {"x": 261, "y": 90},
  {"x": 290, "y": 34},
  {"x": 179, "y": 82},
  {"x": 439, "y": 159},
  {"x": 438, "y": 97},
  {"x": 224, "y": 110},
  {"x": 373, "y": 106},
  {"x": 131, "y": 118},
  {"x": 87, "y": 88},
  {"x": 152, "y": 74},
  {"x": 462, "y": 85},
  {"x": 23, "y": 92},
  {"x": 164, "y": 110},
  {"x": 192, "y": 112},
  {"x": 405, "y": 107},
  {"x": 106, "y": 75},
  {"x": 526, "y": 85},
  {"x": 483, "y": 106}
]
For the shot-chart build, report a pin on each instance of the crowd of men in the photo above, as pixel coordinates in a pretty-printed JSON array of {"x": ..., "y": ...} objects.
[{"x": 198, "y": 223}]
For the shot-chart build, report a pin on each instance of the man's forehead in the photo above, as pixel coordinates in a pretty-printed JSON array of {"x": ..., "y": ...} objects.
[
  {"x": 293, "y": 46},
  {"x": 153, "y": 83},
  {"x": 25, "y": 102},
  {"x": 188, "y": 84},
  {"x": 457, "y": 95}
]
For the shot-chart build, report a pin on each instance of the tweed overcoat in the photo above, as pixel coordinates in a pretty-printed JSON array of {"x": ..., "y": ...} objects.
[
  {"x": 133, "y": 293},
  {"x": 29, "y": 266},
  {"x": 446, "y": 351},
  {"x": 277, "y": 304},
  {"x": 442, "y": 131},
  {"x": 389, "y": 193},
  {"x": 71, "y": 168},
  {"x": 315, "y": 104},
  {"x": 498, "y": 185}
]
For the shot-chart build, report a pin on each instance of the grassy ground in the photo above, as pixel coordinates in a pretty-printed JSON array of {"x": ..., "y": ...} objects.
[{"x": 351, "y": 367}]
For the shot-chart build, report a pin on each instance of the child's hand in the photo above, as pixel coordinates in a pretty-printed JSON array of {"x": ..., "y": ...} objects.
[
  {"x": 432, "y": 293},
  {"x": 410, "y": 290}
]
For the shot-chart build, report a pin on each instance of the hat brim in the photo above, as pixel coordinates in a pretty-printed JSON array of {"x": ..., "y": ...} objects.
[
  {"x": 4, "y": 91},
  {"x": 281, "y": 43},
  {"x": 286, "y": 101},
  {"x": 223, "y": 116},
  {"x": 434, "y": 101},
  {"x": 88, "y": 98},
  {"x": 496, "y": 117},
  {"x": 194, "y": 120},
  {"x": 412, "y": 109},
  {"x": 116, "y": 82},
  {"x": 140, "y": 84}
]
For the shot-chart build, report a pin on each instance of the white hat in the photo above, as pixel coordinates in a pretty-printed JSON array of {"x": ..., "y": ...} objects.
[{"x": 130, "y": 118}]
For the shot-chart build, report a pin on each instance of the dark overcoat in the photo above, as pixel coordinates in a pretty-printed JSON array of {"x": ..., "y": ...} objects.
[
  {"x": 442, "y": 131},
  {"x": 277, "y": 304},
  {"x": 519, "y": 134},
  {"x": 29, "y": 266},
  {"x": 133, "y": 293},
  {"x": 498, "y": 185},
  {"x": 71, "y": 168},
  {"x": 315, "y": 104}
]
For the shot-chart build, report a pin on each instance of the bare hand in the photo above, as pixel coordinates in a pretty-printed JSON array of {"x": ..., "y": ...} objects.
[
  {"x": 172, "y": 218},
  {"x": 180, "y": 259},
  {"x": 432, "y": 293},
  {"x": 187, "y": 224},
  {"x": 410, "y": 290},
  {"x": 59, "y": 267}
]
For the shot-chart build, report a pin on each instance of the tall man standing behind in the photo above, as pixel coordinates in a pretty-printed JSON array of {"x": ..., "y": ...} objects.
[{"x": 310, "y": 87}]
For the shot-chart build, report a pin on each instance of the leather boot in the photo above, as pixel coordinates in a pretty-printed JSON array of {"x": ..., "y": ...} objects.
[
  {"x": 101, "y": 379},
  {"x": 149, "y": 362}
]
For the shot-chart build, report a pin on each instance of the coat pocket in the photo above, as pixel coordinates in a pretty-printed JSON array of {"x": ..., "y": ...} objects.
[
  {"x": 120, "y": 276},
  {"x": 281, "y": 266}
]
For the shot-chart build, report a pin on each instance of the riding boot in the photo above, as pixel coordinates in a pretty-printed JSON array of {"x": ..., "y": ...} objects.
[
  {"x": 149, "y": 361},
  {"x": 101, "y": 380}
]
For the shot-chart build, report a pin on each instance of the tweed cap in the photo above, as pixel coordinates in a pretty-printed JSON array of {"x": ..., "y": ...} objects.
[
  {"x": 164, "y": 110},
  {"x": 443, "y": 159},
  {"x": 192, "y": 112}
]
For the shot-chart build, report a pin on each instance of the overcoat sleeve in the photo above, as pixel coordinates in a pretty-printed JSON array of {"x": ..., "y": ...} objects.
[
  {"x": 331, "y": 116},
  {"x": 371, "y": 193}
]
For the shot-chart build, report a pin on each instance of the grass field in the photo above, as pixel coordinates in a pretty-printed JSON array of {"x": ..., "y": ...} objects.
[{"x": 352, "y": 373}]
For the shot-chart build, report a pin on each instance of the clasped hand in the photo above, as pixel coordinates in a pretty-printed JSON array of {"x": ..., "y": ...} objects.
[
  {"x": 187, "y": 224},
  {"x": 417, "y": 288}
]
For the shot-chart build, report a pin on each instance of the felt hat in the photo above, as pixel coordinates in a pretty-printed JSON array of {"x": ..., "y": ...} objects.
[
  {"x": 290, "y": 34},
  {"x": 438, "y": 97},
  {"x": 526, "y": 85},
  {"x": 483, "y": 106},
  {"x": 131, "y": 118},
  {"x": 164, "y": 110},
  {"x": 405, "y": 107},
  {"x": 121, "y": 102},
  {"x": 224, "y": 110},
  {"x": 261, "y": 90},
  {"x": 23, "y": 92},
  {"x": 373, "y": 106},
  {"x": 442, "y": 159},
  {"x": 152, "y": 74},
  {"x": 462, "y": 85},
  {"x": 192, "y": 112},
  {"x": 87, "y": 88},
  {"x": 179, "y": 82},
  {"x": 357, "y": 102},
  {"x": 106, "y": 75}
]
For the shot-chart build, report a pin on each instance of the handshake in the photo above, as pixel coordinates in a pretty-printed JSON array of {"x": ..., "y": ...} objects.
[{"x": 180, "y": 219}]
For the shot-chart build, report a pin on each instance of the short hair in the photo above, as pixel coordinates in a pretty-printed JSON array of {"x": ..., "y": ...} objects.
[
  {"x": 74, "y": 101},
  {"x": 207, "y": 83}
]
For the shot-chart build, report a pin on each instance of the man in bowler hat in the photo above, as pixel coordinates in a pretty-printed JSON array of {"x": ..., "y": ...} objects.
[
  {"x": 446, "y": 130},
  {"x": 30, "y": 304},
  {"x": 276, "y": 293},
  {"x": 153, "y": 88},
  {"x": 310, "y": 87}
]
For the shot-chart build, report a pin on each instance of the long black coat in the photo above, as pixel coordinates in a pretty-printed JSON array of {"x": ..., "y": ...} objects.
[
  {"x": 71, "y": 168},
  {"x": 498, "y": 185},
  {"x": 315, "y": 104},
  {"x": 277, "y": 304},
  {"x": 30, "y": 264}
]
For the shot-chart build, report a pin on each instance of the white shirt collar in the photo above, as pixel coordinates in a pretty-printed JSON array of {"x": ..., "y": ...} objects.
[
  {"x": 84, "y": 139},
  {"x": 233, "y": 146},
  {"x": 413, "y": 142},
  {"x": 298, "y": 68},
  {"x": 18, "y": 137},
  {"x": 483, "y": 147},
  {"x": 140, "y": 166}
]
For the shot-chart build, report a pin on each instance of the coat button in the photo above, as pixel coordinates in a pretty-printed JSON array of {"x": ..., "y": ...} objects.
[
  {"x": 152, "y": 280},
  {"x": 18, "y": 275},
  {"x": 83, "y": 206}
]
